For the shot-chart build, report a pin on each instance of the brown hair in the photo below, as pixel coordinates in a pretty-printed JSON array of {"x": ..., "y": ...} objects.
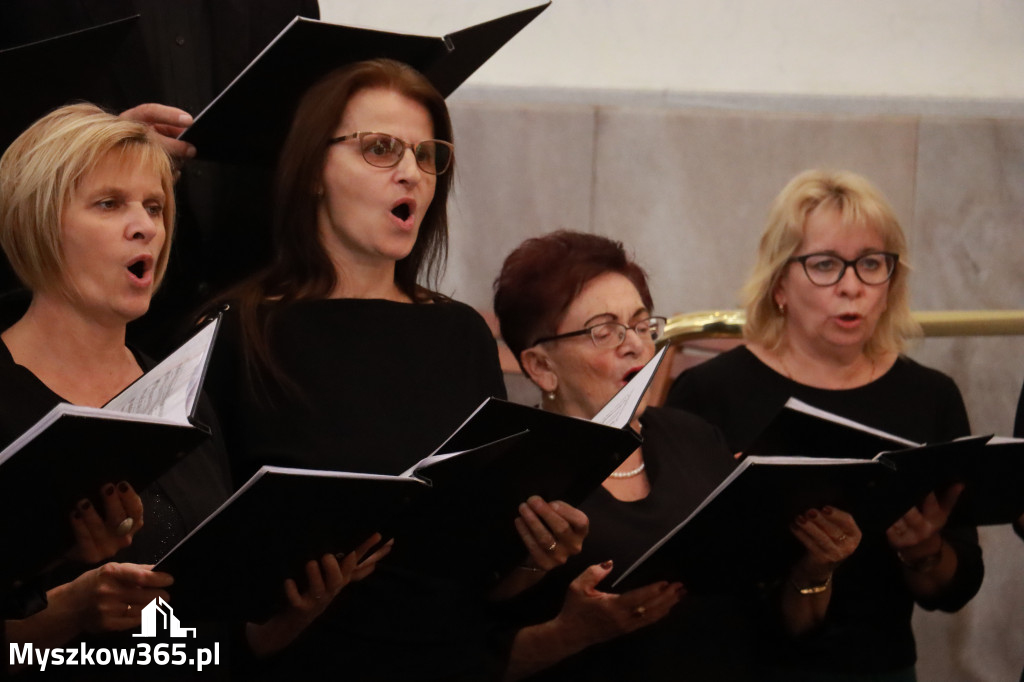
[
  {"x": 542, "y": 276},
  {"x": 300, "y": 268}
]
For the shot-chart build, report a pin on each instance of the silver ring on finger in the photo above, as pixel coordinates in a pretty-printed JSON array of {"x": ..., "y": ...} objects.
[{"x": 124, "y": 527}]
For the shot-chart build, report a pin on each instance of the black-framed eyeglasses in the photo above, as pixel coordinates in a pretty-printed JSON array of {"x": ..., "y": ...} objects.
[
  {"x": 612, "y": 334},
  {"x": 386, "y": 151},
  {"x": 826, "y": 269}
]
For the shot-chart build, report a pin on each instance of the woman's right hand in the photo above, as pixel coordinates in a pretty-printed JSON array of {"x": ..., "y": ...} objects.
[
  {"x": 591, "y": 616},
  {"x": 106, "y": 599},
  {"x": 324, "y": 580},
  {"x": 588, "y": 616},
  {"x": 829, "y": 535},
  {"x": 98, "y": 538},
  {"x": 111, "y": 597}
]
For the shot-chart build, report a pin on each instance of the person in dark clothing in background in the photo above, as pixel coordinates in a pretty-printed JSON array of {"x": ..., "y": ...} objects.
[{"x": 179, "y": 57}]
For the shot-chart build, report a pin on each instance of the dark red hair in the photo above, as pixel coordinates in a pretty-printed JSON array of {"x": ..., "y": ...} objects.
[{"x": 542, "y": 277}]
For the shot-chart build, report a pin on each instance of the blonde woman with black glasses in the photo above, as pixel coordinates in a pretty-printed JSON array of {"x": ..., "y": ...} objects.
[{"x": 827, "y": 320}]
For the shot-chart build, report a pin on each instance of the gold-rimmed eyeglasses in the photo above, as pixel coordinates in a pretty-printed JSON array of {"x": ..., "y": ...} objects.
[{"x": 386, "y": 151}]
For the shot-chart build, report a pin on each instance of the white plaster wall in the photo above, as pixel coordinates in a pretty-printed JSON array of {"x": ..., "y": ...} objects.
[{"x": 911, "y": 48}]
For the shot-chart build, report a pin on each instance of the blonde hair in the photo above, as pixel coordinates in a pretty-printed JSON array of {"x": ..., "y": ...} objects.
[
  {"x": 861, "y": 207},
  {"x": 41, "y": 170}
]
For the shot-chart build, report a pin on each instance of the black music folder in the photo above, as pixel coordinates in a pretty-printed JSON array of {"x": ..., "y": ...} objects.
[
  {"x": 234, "y": 564},
  {"x": 739, "y": 536},
  {"x": 247, "y": 122},
  {"x": 807, "y": 431},
  {"x": 559, "y": 457},
  {"x": 471, "y": 486},
  {"x": 73, "y": 450},
  {"x": 41, "y": 76},
  {"x": 991, "y": 469}
]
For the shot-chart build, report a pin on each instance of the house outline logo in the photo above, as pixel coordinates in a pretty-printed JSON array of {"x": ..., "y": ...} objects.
[{"x": 158, "y": 617}]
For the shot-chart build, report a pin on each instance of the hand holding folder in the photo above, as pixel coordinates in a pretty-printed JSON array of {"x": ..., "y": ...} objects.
[
  {"x": 755, "y": 506},
  {"x": 100, "y": 537},
  {"x": 324, "y": 580},
  {"x": 74, "y": 451}
]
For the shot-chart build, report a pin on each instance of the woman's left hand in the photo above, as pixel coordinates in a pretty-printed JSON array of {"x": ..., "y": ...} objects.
[
  {"x": 101, "y": 537},
  {"x": 919, "y": 526},
  {"x": 551, "y": 532}
]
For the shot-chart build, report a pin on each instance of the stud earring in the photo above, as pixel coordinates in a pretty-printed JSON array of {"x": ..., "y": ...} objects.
[{"x": 782, "y": 308}]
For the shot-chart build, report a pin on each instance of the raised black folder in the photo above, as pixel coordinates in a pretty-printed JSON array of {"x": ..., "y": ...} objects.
[
  {"x": 74, "y": 450},
  {"x": 471, "y": 486},
  {"x": 46, "y": 74},
  {"x": 247, "y": 122}
]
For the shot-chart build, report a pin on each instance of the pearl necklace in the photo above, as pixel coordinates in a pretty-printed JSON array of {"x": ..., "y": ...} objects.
[{"x": 629, "y": 474}]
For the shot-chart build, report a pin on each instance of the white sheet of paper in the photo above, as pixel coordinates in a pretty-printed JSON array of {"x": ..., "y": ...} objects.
[
  {"x": 619, "y": 410},
  {"x": 170, "y": 389},
  {"x": 801, "y": 406}
]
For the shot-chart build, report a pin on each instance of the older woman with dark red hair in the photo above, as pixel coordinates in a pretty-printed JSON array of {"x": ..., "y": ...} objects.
[{"x": 578, "y": 314}]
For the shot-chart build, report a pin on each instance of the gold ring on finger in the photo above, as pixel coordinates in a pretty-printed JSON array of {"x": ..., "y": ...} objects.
[
  {"x": 640, "y": 611},
  {"x": 551, "y": 547}
]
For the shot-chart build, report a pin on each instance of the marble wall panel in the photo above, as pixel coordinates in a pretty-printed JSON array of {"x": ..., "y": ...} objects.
[
  {"x": 689, "y": 190},
  {"x": 521, "y": 171},
  {"x": 967, "y": 246},
  {"x": 968, "y": 241}
]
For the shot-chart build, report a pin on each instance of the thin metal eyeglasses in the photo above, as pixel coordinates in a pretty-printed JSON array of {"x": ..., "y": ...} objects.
[
  {"x": 386, "y": 151},
  {"x": 612, "y": 334},
  {"x": 826, "y": 269}
]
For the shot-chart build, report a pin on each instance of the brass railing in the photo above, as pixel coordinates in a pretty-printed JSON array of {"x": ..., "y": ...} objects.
[{"x": 728, "y": 324}]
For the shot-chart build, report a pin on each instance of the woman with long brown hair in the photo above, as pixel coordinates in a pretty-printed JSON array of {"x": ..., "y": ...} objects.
[{"x": 340, "y": 356}]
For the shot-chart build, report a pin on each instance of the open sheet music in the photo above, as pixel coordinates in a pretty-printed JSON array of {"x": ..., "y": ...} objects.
[{"x": 73, "y": 450}]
